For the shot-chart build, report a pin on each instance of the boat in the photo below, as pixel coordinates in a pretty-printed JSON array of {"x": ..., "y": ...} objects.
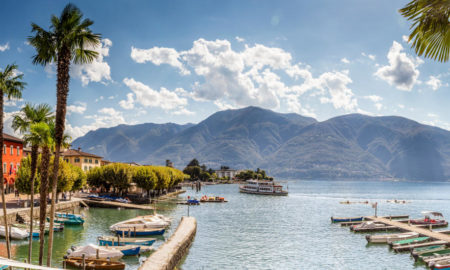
[
  {"x": 140, "y": 232},
  {"x": 93, "y": 252},
  {"x": 385, "y": 238},
  {"x": 95, "y": 264},
  {"x": 14, "y": 233},
  {"x": 442, "y": 265},
  {"x": 67, "y": 215},
  {"x": 421, "y": 250},
  {"x": 346, "y": 219},
  {"x": 429, "y": 221},
  {"x": 142, "y": 222},
  {"x": 120, "y": 241},
  {"x": 127, "y": 250},
  {"x": 206, "y": 199},
  {"x": 263, "y": 187},
  {"x": 368, "y": 225},
  {"x": 410, "y": 241},
  {"x": 434, "y": 254},
  {"x": 67, "y": 221}
]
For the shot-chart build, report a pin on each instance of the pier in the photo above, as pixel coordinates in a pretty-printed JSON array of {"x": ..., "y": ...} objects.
[
  {"x": 109, "y": 204},
  {"x": 170, "y": 254}
]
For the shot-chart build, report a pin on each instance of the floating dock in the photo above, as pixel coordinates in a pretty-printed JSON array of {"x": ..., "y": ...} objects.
[{"x": 108, "y": 204}]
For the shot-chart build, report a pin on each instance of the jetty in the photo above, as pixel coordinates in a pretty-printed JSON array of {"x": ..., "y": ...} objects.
[
  {"x": 170, "y": 254},
  {"x": 109, "y": 204}
]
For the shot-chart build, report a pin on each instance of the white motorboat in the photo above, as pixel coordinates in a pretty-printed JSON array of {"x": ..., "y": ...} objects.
[
  {"x": 15, "y": 233},
  {"x": 386, "y": 238},
  {"x": 142, "y": 222}
]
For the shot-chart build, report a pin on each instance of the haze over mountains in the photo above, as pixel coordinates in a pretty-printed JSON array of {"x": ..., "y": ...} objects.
[{"x": 352, "y": 146}]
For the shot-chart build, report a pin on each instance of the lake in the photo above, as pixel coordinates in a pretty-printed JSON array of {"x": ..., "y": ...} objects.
[{"x": 265, "y": 232}]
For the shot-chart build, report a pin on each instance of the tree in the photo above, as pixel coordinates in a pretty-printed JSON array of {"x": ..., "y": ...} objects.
[
  {"x": 23, "y": 183},
  {"x": 145, "y": 178},
  {"x": 430, "y": 34},
  {"x": 119, "y": 175},
  {"x": 193, "y": 163},
  {"x": 68, "y": 39},
  {"x": 11, "y": 86},
  {"x": 22, "y": 122},
  {"x": 80, "y": 179},
  {"x": 95, "y": 177}
]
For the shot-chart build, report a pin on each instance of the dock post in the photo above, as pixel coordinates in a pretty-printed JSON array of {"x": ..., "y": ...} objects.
[
  {"x": 97, "y": 255},
  {"x": 64, "y": 264},
  {"x": 430, "y": 227},
  {"x": 83, "y": 262}
]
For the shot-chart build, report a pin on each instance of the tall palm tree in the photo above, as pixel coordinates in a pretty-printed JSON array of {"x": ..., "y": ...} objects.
[
  {"x": 11, "y": 86},
  {"x": 22, "y": 122},
  {"x": 68, "y": 39},
  {"x": 42, "y": 134},
  {"x": 431, "y": 27}
]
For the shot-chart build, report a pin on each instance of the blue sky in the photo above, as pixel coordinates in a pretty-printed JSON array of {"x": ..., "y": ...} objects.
[{"x": 180, "y": 61}]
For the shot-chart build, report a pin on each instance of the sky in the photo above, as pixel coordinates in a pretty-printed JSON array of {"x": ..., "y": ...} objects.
[{"x": 181, "y": 61}]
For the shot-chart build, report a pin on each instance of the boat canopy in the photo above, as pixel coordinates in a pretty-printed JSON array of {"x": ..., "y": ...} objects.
[
  {"x": 436, "y": 214},
  {"x": 90, "y": 251}
]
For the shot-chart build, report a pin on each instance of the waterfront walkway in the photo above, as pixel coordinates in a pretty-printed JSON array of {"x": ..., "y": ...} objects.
[
  {"x": 109, "y": 204},
  {"x": 169, "y": 255},
  {"x": 404, "y": 226}
]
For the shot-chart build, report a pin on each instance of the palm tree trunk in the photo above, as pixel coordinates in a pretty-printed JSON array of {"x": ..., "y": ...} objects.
[
  {"x": 62, "y": 89},
  {"x": 5, "y": 218},
  {"x": 43, "y": 200},
  {"x": 34, "y": 156}
]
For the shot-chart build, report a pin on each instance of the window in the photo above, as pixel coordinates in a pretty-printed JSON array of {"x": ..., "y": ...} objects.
[
  {"x": 96, "y": 161},
  {"x": 85, "y": 160},
  {"x": 4, "y": 167},
  {"x": 12, "y": 149},
  {"x": 66, "y": 160},
  {"x": 90, "y": 160},
  {"x": 11, "y": 168},
  {"x": 77, "y": 160},
  {"x": 18, "y": 150}
]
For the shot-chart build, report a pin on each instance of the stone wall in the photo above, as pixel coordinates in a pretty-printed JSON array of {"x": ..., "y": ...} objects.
[{"x": 169, "y": 255}]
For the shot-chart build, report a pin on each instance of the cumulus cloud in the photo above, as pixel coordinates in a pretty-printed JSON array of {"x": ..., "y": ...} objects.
[
  {"x": 7, "y": 123},
  {"x": 345, "y": 61},
  {"x": 97, "y": 71},
  {"x": 79, "y": 107},
  {"x": 402, "y": 70},
  {"x": 239, "y": 39},
  {"x": 374, "y": 98},
  {"x": 148, "y": 97},
  {"x": 127, "y": 104},
  {"x": 158, "y": 56},
  {"x": 4, "y": 47},
  {"x": 340, "y": 95},
  {"x": 434, "y": 82}
]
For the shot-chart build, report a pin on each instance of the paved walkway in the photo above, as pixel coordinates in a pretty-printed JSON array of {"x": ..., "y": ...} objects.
[{"x": 412, "y": 228}]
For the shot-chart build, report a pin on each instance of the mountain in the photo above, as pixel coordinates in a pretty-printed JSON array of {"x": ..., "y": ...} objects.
[{"x": 286, "y": 145}]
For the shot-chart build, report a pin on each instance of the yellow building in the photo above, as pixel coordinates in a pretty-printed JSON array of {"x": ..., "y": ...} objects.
[{"x": 85, "y": 161}]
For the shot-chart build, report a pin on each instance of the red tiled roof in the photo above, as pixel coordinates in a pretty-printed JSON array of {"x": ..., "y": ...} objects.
[
  {"x": 73, "y": 152},
  {"x": 8, "y": 137}
]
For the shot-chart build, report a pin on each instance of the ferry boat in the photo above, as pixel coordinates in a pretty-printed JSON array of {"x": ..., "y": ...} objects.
[{"x": 263, "y": 187}]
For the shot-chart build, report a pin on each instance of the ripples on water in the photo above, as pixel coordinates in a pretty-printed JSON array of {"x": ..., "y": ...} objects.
[{"x": 264, "y": 232}]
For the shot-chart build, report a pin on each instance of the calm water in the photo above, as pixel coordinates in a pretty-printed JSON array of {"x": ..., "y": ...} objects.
[{"x": 293, "y": 232}]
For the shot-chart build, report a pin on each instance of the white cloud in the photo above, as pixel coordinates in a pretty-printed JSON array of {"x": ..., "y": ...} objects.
[
  {"x": 374, "y": 98},
  {"x": 147, "y": 97},
  {"x": 99, "y": 98},
  {"x": 434, "y": 82},
  {"x": 98, "y": 70},
  {"x": 405, "y": 38},
  {"x": 239, "y": 39},
  {"x": 345, "y": 61},
  {"x": 370, "y": 56},
  {"x": 340, "y": 95},
  {"x": 127, "y": 104},
  {"x": 158, "y": 56},
  {"x": 4, "y": 47},
  {"x": 183, "y": 111},
  {"x": 80, "y": 108},
  {"x": 402, "y": 70},
  {"x": 7, "y": 122}
]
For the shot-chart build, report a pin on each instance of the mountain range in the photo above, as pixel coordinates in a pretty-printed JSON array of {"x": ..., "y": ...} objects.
[{"x": 353, "y": 146}]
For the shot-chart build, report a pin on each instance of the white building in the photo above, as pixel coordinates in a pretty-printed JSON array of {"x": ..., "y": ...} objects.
[{"x": 227, "y": 173}]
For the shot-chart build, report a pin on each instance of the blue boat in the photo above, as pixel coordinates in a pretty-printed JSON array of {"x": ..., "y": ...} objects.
[
  {"x": 130, "y": 251},
  {"x": 140, "y": 232},
  {"x": 346, "y": 219},
  {"x": 121, "y": 241}
]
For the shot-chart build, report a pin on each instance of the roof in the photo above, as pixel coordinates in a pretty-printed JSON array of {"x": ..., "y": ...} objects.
[
  {"x": 7, "y": 137},
  {"x": 77, "y": 153}
]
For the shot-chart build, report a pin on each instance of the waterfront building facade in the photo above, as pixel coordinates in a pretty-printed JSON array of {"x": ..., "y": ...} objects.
[
  {"x": 12, "y": 155},
  {"x": 86, "y": 161},
  {"x": 227, "y": 173}
]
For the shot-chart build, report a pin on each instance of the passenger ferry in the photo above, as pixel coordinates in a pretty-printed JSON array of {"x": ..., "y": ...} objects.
[{"x": 263, "y": 188}]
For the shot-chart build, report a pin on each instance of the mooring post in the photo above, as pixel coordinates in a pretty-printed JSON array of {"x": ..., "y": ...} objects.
[
  {"x": 97, "y": 255},
  {"x": 83, "y": 262},
  {"x": 64, "y": 264}
]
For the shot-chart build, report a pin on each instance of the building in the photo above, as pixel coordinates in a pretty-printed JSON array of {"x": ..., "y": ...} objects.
[
  {"x": 169, "y": 163},
  {"x": 12, "y": 155},
  {"x": 227, "y": 173},
  {"x": 85, "y": 161}
]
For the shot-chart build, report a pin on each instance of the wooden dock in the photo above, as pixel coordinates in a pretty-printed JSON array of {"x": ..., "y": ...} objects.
[{"x": 108, "y": 204}]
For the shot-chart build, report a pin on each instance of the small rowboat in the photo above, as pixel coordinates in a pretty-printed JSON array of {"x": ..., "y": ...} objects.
[
  {"x": 434, "y": 254},
  {"x": 206, "y": 199},
  {"x": 421, "y": 250},
  {"x": 142, "y": 222},
  {"x": 95, "y": 264},
  {"x": 442, "y": 265},
  {"x": 346, "y": 219},
  {"x": 120, "y": 241},
  {"x": 67, "y": 215},
  {"x": 410, "y": 241},
  {"x": 385, "y": 238},
  {"x": 68, "y": 221},
  {"x": 140, "y": 232},
  {"x": 127, "y": 250},
  {"x": 14, "y": 233}
]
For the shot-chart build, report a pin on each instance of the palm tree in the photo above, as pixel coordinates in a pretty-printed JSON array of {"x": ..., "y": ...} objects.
[
  {"x": 431, "y": 27},
  {"x": 11, "y": 86},
  {"x": 68, "y": 39},
  {"x": 42, "y": 134},
  {"x": 22, "y": 122}
]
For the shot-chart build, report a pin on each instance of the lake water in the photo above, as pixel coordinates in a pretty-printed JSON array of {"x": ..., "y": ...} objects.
[{"x": 264, "y": 232}]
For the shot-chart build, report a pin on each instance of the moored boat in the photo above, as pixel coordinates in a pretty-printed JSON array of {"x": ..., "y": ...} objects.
[
  {"x": 142, "y": 222},
  {"x": 68, "y": 221},
  {"x": 442, "y": 265},
  {"x": 367, "y": 226},
  {"x": 421, "y": 250},
  {"x": 15, "y": 233},
  {"x": 119, "y": 241},
  {"x": 206, "y": 199},
  {"x": 415, "y": 240},
  {"x": 93, "y": 252},
  {"x": 140, "y": 232},
  {"x": 127, "y": 250},
  {"x": 427, "y": 220},
  {"x": 346, "y": 219},
  {"x": 434, "y": 254},
  {"x": 263, "y": 187},
  {"x": 386, "y": 238},
  {"x": 95, "y": 264}
]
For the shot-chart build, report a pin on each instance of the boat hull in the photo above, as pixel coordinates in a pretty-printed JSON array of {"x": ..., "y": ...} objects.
[
  {"x": 103, "y": 242},
  {"x": 350, "y": 219},
  {"x": 140, "y": 233},
  {"x": 95, "y": 264},
  {"x": 283, "y": 193}
]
